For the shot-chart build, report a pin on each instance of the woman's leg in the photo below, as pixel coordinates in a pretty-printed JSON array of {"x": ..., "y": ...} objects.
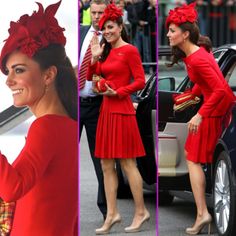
[
  {"x": 136, "y": 186},
  {"x": 198, "y": 184},
  {"x": 111, "y": 185}
]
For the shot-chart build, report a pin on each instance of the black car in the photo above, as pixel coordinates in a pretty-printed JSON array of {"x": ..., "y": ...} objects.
[
  {"x": 172, "y": 132},
  {"x": 146, "y": 115}
]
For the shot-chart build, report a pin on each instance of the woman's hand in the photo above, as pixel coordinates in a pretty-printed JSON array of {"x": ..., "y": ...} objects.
[
  {"x": 135, "y": 105},
  {"x": 109, "y": 92},
  {"x": 194, "y": 123},
  {"x": 96, "y": 49}
]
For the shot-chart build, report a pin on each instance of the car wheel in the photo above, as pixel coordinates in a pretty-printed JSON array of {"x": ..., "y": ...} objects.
[
  {"x": 224, "y": 196},
  {"x": 164, "y": 198},
  {"x": 123, "y": 191}
]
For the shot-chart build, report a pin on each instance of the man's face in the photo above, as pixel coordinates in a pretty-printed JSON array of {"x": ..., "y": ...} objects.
[{"x": 96, "y": 11}]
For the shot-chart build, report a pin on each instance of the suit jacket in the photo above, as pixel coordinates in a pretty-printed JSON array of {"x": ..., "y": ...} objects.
[{"x": 83, "y": 31}]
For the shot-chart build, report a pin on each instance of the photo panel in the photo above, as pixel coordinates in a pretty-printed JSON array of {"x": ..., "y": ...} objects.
[
  {"x": 104, "y": 134},
  {"x": 206, "y": 58}
]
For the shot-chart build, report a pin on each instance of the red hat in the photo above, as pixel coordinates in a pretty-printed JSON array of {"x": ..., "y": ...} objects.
[
  {"x": 180, "y": 15},
  {"x": 112, "y": 12},
  {"x": 31, "y": 33}
]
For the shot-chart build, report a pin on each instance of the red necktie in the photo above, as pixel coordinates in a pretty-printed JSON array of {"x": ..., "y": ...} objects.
[{"x": 84, "y": 67}]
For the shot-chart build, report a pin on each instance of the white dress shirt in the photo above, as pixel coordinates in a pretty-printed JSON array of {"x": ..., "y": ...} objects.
[{"x": 87, "y": 90}]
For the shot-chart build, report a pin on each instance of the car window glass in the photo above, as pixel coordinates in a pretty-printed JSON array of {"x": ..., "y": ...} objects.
[
  {"x": 231, "y": 76},
  {"x": 176, "y": 71},
  {"x": 166, "y": 84},
  {"x": 218, "y": 54}
]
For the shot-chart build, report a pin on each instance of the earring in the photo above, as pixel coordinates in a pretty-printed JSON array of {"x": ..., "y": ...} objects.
[{"x": 46, "y": 88}]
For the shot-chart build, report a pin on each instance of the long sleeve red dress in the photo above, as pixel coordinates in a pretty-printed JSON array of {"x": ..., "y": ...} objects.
[
  {"x": 117, "y": 133},
  {"x": 218, "y": 98},
  {"x": 43, "y": 180}
]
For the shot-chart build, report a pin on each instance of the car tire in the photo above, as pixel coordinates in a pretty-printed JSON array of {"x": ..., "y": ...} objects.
[
  {"x": 164, "y": 198},
  {"x": 224, "y": 197},
  {"x": 123, "y": 191}
]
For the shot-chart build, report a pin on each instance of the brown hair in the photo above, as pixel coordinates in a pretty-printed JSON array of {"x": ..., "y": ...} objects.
[
  {"x": 66, "y": 82},
  {"x": 194, "y": 37}
]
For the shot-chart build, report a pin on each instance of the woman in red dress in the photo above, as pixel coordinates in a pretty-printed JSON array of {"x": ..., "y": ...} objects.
[
  {"x": 117, "y": 131},
  {"x": 206, "y": 126},
  {"x": 43, "y": 180}
]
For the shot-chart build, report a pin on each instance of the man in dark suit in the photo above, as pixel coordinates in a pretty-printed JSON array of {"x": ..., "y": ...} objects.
[{"x": 89, "y": 101}]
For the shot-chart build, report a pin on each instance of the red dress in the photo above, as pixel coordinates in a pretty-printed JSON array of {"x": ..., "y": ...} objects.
[
  {"x": 218, "y": 99},
  {"x": 117, "y": 133},
  {"x": 44, "y": 179}
]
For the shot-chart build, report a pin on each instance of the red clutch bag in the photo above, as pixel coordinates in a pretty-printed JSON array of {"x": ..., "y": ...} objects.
[
  {"x": 184, "y": 100},
  {"x": 99, "y": 84}
]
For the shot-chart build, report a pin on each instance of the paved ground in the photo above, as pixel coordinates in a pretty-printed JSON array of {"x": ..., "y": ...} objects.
[
  {"x": 90, "y": 217},
  {"x": 173, "y": 219}
]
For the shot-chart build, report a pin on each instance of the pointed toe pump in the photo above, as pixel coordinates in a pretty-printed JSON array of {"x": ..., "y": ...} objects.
[
  {"x": 197, "y": 228},
  {"x": 105, "y": 229},
  {"x": 133, "y": 229}
]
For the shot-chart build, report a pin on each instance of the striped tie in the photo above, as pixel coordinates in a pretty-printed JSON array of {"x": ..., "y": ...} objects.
[{"x": 84, "y": 67}]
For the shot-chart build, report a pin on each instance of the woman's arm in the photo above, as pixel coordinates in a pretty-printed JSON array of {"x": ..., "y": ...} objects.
[
  {"x": 210, "y": 81},
  {"x": 17, "y": 179},
  {"x": 135, "y": 64}
]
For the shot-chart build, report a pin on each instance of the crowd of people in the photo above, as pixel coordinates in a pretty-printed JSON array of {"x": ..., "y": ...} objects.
[
  {"x": 217, "y": 19},
  {"x": 139, "y": 18}
]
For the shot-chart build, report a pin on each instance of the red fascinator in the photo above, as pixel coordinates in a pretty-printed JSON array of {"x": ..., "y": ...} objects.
[
  {"x": 180, "y": 15},
  {"x": 31, "y": 33},
  {"x": 112, "y": 12}
]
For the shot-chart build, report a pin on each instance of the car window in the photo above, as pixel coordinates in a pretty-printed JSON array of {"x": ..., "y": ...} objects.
[
  {"x": 218, "y": 54},
  {"x": 166, "y": 84},
  {"x": 231, "y": 76},
  {"x": 176, "y": 71}
]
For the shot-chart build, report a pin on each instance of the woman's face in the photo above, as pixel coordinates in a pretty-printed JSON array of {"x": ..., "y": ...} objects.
[
  {"x": 111, "y": 31},
  {"x": 175, "y": 35},
  {"x": 25, "y": 79}
]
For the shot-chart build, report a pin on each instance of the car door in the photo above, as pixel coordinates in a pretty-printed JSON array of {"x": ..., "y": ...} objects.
[{"x": 172, "y": 126}]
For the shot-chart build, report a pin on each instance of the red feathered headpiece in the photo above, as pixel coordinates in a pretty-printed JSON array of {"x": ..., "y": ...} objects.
[
  {"x": 31, "y": 33},
  {"x": 180, "y": 15},
  {"x": 112, "y": 12}
]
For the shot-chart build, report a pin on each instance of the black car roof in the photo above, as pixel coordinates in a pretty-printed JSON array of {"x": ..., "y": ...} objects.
[
  {"x": 227, "y": 46},
  {"x": 166, "y": 50}
]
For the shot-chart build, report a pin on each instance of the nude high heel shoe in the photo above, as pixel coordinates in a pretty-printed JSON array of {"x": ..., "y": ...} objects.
[
  {"x": 196, "y": 229},
  {"x": 137, "y": 228},
  {"x": 105, "y": 229}
]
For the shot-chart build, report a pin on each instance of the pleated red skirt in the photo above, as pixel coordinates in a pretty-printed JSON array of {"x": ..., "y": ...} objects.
[
  {"x": 200, "y": 146},
  {"x": 118, "y": 136}
]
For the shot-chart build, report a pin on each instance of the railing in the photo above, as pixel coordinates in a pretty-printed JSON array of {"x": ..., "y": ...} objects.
[
  {"x": 217, "y": 22},
  {"x": 12, "y": 117}
]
